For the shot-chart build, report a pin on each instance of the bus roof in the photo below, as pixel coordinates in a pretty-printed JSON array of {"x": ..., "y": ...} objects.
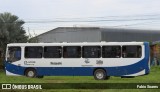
[{"x": 76, "y": 44}]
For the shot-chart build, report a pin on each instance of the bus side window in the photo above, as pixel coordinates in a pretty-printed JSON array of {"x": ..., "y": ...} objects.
[
  {"x": 71, "y": 51},
  {"x": 33, "y": 52},
  {"x": 111, "y": 51},
  {"x": 91, "y": 51},
  {"x": 131, "y": 51},
  {"x": 52, "y": 52}
]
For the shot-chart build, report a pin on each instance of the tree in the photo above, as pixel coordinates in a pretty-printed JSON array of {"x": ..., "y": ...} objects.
[{"x": 11, "y": 30}]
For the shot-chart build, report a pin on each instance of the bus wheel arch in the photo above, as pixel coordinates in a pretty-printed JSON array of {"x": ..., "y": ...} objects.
[
  {"x": 30, "y": 72},
  {"x": 100, "y": 74}
]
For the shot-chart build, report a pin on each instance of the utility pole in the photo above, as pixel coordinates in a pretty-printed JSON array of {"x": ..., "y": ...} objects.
[{"x": 29, "y": 33}]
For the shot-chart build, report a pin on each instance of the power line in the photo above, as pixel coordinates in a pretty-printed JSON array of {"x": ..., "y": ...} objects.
[
  {"x": 114, "y": 16},
  {"x": 143, "y": 17},
  {"x": 140, "y": 23},
  {"x": 100, "y": 20}
]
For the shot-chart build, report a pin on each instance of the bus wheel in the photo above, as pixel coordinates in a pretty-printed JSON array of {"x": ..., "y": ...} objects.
[
  {"x": 30, "y": 73},
  {"x": 99, "y": 74}
]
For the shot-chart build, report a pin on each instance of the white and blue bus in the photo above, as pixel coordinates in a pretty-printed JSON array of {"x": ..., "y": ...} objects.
[{"x": 98, "y": 59}]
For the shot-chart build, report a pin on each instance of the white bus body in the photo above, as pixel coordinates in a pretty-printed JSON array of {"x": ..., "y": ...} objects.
[{"x": 98, "y": 59}]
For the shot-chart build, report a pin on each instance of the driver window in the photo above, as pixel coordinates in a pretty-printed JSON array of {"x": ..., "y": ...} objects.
[{"x": 14, "y": 54}]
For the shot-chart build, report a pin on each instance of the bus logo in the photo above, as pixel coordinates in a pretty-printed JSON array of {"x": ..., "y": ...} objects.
[
  {"x": 29, "y": 62},
  {"x": 99, "y": 62},
  {"x": 6, "y": 86},
  {"x": 56, "y": 63},
  {"x": 86, "y": 60}
]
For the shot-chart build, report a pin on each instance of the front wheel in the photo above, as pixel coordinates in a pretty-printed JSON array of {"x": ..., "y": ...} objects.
[
  {"x": 100, "y": 74},
  {"x": 30, "y": 73}
]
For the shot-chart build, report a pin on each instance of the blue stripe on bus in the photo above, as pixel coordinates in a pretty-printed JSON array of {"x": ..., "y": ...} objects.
[{"x": 86, "y": 71}]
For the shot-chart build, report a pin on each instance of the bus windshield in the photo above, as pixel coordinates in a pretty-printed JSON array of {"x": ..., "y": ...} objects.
[{"x": 14, "y": 54}]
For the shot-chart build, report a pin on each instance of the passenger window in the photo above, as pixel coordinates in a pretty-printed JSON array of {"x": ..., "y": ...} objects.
[
  {"x": 14, "y": 54},
  {"x": 71, "y": 51},
  {"x": 111, "y": 51},
  {"x": 52, "y": 52},
  {"x": 91, "y": 51},
  {"x": 33, "y": 52},
  {"x": 131, "y": 51}
]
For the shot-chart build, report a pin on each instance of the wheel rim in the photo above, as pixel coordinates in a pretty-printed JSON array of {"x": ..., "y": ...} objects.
[
  {"x": 99, "y": 75},
  {"x": 30, "y": 74}
]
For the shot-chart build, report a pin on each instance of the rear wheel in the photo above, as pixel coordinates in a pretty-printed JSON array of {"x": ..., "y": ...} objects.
[
  {"x": 30, "y": 73},
  {"x": 100, "y": 74}
]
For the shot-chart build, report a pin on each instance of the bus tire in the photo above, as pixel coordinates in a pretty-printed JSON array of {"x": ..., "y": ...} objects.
[
  {"x": 99, "y": 74},
  {"x": 30, "y": 72}
]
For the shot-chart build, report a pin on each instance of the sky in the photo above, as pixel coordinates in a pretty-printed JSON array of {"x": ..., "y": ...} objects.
[{"x": 43, "y": 15}]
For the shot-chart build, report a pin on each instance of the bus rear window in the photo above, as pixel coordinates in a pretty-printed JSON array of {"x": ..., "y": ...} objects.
[
  {"x": 131, "y": 51},
  {"x": 33, "y": 52}
]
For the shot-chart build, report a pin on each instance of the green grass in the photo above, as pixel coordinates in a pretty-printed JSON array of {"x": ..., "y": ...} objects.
[{"x": 153, "y": 77}]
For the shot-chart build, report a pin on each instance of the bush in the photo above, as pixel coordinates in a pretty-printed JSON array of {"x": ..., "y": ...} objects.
[{"x": 1, "y": 63}]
